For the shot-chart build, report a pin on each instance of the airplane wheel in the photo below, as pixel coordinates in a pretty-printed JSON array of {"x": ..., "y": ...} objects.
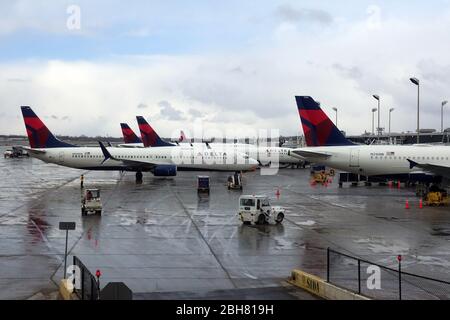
[
  {"x": 139, "y": 176},
  {"x": 280, "y": 217}
]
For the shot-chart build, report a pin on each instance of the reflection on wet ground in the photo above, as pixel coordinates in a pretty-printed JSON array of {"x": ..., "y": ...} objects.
[{"x": 160, "y": 236}]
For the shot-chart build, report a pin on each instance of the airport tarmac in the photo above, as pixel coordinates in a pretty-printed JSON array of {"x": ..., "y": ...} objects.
[{"x": 164, "y": 241}]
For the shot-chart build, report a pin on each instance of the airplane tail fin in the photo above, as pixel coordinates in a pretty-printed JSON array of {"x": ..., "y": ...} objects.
[
  {"x": 128, "y": 134},
  {"x": 38, "y": 134},
  {"x": 149, "y": 137},
  {"x": 319, "y": 130},
  {"x": 182, "y": 137}
]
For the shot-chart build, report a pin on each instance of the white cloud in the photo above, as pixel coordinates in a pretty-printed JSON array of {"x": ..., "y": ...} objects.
[
  {"x": 253, "y": 88},
  {"x": 168, "y": 112},
  {"x": 289, "y": 13}
]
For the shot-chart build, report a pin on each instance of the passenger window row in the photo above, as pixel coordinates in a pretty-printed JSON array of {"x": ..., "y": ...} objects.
[{"x": 412, "y": 158}]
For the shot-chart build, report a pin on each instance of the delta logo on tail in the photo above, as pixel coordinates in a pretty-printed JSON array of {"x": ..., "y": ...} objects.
[
  {"x": 38, "y": 134},
  {"x": 182, "y": 136},
  {"x": 319, "y": 130},
  {"x": 128, "y": 134},
  {"x": 149, "y": 137}
]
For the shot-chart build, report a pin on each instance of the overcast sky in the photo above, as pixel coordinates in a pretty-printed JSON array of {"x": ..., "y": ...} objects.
[{"x": 229, "y": 64}]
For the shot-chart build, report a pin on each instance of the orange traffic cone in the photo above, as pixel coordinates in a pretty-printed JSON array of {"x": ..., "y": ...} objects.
[
  {"x": 406, "y": 204},
  {"x": 278, "y": 193},
  {"x": 420, "y": 203}
]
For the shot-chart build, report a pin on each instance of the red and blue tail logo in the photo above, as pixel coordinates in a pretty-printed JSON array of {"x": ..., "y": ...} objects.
[
  {"x": 182, "y": 137},
  {"x": 149, "y": 137},
  {"x": 128, "y": 134},
  {"x": 319, "y": 130},
  {"x": 38, "y": 134}
]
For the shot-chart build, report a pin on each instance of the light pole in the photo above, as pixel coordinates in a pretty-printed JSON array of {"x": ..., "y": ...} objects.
[
  {"x": 373, "y": 120},
  {"x": 442, "y": 114},
  {"x": 377, "y": 97},
  {"x": 390, "y": 110},
  {"x": 335, "y": 109},
  {"x": 417, "y": 83},
  {"x": 66, "y": 226}
]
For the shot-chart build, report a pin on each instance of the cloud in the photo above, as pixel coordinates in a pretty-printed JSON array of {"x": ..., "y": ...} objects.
[
  {"x": 168, "y": 112},
  {"x": 54, "y": 117},
  {"x": 18, "y": 80},
  {"x": 195, "y": 113},
  {"x": 290, "y": 14},
  {"x": 142, "y": 32},
  {"x": 251, "y": 86},
  {"x": 348, "y": 72},
  {"x": 434, "y": 72}
]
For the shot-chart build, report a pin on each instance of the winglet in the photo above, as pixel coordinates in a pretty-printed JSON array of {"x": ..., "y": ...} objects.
[
  {"x": 412, "y": 164},
  {"x": 105, "y": 152}
]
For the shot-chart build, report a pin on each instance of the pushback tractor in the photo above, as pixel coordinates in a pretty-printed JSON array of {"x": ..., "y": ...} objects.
[{"x": 258, "y": 210}]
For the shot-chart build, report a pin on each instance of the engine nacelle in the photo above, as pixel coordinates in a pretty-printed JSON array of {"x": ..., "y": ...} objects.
[
  {"x": 165, "y": 170},
  {"x": 425, "y": 178}
]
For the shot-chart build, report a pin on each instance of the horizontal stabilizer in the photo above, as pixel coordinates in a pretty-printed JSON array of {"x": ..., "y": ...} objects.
[{"x": 35, "y": 151}]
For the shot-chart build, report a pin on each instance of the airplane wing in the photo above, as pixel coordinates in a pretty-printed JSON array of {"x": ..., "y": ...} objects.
[
  {"x": 127, "y": 162},
  {"x": 432, "y": 168},
  {"x": 310, "y": 154},
  {"x": 31, "y": 150}
]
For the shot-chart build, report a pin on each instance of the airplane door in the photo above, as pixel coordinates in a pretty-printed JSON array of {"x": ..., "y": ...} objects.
[
  {"x": 354, "y": 158},
  {"x": 61, "y": 157}
]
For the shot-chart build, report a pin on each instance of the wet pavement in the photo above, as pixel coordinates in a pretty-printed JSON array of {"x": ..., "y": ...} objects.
[{"x": 164, "y": 241}]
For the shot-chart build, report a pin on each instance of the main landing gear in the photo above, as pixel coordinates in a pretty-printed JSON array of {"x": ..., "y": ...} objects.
[{"x": 139, "y": 176}]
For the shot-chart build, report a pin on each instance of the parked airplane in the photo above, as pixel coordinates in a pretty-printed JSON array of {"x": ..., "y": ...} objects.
[
  {"x": 160, "y": 161},
  {"x": 131, "y": 140},
  {"x": 328, "y": 146},
  {"x": 264, "y": 154}
]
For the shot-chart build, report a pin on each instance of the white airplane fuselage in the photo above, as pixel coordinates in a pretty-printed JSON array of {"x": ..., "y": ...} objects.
[
  {"x": 185, "y": 158},
  {"x": 372, "y": 160},
  {"x": 266, "y": 155}
]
